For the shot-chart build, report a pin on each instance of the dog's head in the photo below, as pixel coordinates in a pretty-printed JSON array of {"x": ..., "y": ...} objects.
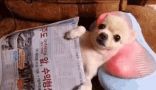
[{"x": 111, "y": 31}]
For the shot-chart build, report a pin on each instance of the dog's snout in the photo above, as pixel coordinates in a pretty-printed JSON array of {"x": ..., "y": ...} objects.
[
  {"x": 101, "y": 39},
  {"x": 103, "y": 36}
]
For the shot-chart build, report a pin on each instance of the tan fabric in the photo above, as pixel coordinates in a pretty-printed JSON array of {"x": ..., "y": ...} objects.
[
  {"x": 151, "y": 2},
  {"x": 73, "y": 1},
  {"x": 56, "y": 10},
  {"x": 9, "y": 25}
]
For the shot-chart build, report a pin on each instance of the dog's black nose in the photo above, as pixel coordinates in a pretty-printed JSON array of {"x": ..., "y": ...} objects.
[
  {"x": 101, "y": 39},
  {"x": 103, "y": 36}
]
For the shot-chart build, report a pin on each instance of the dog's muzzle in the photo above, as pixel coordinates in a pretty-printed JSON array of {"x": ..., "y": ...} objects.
[{"x": 101, "y": 39}]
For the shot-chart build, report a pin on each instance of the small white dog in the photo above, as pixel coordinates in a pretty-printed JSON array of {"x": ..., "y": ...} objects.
[{"x": 106, "y": 36}]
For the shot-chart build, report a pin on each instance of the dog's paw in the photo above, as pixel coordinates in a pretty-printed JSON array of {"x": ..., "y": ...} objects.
[
  {"x": 68, "y": 35},
  {"x": 85, "y": 87},
  {"x": 75, "y": 33}
]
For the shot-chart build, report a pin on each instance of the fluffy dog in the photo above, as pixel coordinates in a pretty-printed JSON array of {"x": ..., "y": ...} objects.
[{"x": 106, "y": 36}]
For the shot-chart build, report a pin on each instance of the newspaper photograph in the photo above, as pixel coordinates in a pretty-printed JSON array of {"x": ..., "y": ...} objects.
[{"x": 41, "y": 59}]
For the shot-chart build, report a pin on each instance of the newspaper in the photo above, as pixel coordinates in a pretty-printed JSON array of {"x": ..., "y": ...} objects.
[{"x": 41, "y": 59}]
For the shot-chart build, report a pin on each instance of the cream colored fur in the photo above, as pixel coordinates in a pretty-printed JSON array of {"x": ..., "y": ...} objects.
[{"x": 93, "y": 54}]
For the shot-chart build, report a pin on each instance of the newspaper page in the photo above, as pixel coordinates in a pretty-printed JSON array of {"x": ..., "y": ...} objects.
[{"x": 41, "y": 59}]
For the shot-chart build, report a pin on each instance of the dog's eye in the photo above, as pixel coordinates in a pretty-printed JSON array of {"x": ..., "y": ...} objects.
[
  {"x": 102, "y": 26},
  {"x": 116, "y": 37}
]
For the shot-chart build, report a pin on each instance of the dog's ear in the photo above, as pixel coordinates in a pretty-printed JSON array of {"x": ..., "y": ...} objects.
[
  {"x": 101, "y": 18},
  {"x": 131, "y": 37},
  {"x": 92, "y": 26}
]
